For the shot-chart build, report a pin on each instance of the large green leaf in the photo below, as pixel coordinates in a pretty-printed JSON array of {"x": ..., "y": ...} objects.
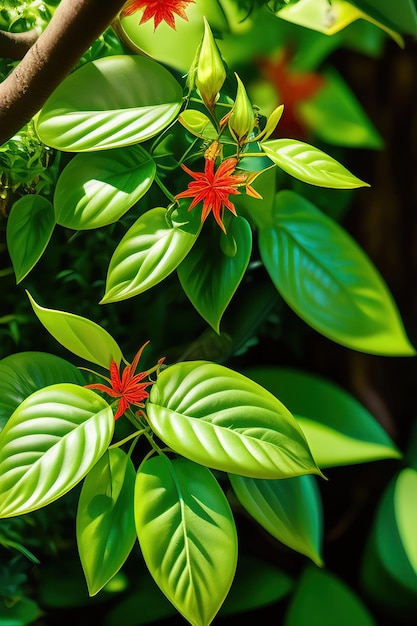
[
  {"x": 83, "y": 337},
  {"x": 20, "y": 612},
  {"x": 400, "y": 16},
  {"x": 210, "y": 280},
  {"x": 335, "y": 115},
  {"x": 105, "y": 518},
  {"x": 321, "y": 599},
  {"x": 309, "y": 164},
  {"x": 289, "y": 509},
  {"x": 389, "y": 571},
  {"x": 49, "y": 444},
  {"x": 221, "y": 419},
  {"x": 328, "y": 280},
  {"x": 111, "y": 102},
  {"x": 25, "y": 372},
  {"x": 339, "y": 430},
  {"x": 97, "y": 189},
  {"x": 29, "y": 229},
  {"x": 187, "y": 535},
  {"x": 150, "y": 251}
]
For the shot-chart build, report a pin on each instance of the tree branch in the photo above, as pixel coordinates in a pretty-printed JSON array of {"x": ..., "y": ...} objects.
[
  {"x": 15, "y": 45},
  {"x": 72, "y": 29}
]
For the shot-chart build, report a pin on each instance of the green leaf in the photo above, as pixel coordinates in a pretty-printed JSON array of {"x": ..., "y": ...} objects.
[
  {"x": 210, "y": 280},
  {"x": 49, "y": 444},
  {"x": 79, "y": 335},
  {"x": 327, "y": 279},
  {"x": 97, "y": 189},
  {"x": 390, "y": 567},
  {"x": 29, "y": 229},
  {"x": 25, "y": 372},
  {"x": 105, "y": 518},
  {"x": 289, "y": 509},
  {"x": 187, "y": 535},
  {"x": 339, "y": 430},
  {"x": 20, "y": 613},
  {"x": 401, "y": 16},
  {"x": 336, "y": 116},
  {"x": 198, "y": 124},
  {"x": 257, "y": 583},
  {"x": 149, "y": 252},
  {"x": 321, "y": 599},
  {"x": 310, "y": 164},
  {"x": 111, "y": 102},
  {"x": 221, "y": 419}
]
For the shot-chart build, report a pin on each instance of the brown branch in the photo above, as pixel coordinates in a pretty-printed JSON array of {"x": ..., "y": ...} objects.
[
  {"x": 72, "y": 29},
  {"x": 15, "y": 45}
]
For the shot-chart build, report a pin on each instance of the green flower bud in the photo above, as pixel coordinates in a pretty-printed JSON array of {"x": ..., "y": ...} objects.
[
  {"x": 211, "y": 72},
  {"x": 242, "y": 118}
]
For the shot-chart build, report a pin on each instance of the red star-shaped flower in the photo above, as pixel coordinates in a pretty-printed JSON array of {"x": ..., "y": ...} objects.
[
  {"x": 129, "y": 387},
  {"x": 213, "y": 189},
  {"x": 159, "y": 10}
]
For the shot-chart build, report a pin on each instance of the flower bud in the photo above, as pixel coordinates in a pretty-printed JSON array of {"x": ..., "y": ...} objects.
[
  {"x": 211, "y": 73},
  {"x": 241, "y": 119}
]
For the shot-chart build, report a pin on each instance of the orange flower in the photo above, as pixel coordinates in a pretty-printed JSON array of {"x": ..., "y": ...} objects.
[
  {"x": 128, "y": 388},
  {"x": 159, "y": 10},
  {"x": 213, "y": 189}
]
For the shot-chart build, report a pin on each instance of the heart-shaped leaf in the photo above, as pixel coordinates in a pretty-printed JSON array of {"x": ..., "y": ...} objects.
[
  {"x": 80, "y": 335},
  {"x": 328, "y": 280},
  {"x": 114, "y": 101},
  {"x": 187, "y": 535},
  {"x": 223, "y": 420},
  {"x": 49, "y": 444},
  {"x": 210, "y": 280},
  {"x": 29, "y": 229},
  {"x": 97, "y": 189},
  {"x": 105, "y": 518}
]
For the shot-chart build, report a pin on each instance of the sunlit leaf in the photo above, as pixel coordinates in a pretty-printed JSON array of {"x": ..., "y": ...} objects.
[
  {"x": 105, "y": 518},
  {"x": 210, "y": 280},
  {"x": 338, "y": 428},
  {"x": 328, "y": 280},
  {"x": 49, "y": 444},
  {"x": 114, "y": 101},
  {"x": 80, "y": 335},
  {"x": 97, "y": 189},
  {"x": 29, "y": 229},
  {"x": 309, "y": 164},
  {"x": 187, "y": 535},
  {"x": 25, "y": 372},
  {"x": 150, "y": 251},
  {"x": 219, "y": 418},
  {"x": 289, "y": 509}
]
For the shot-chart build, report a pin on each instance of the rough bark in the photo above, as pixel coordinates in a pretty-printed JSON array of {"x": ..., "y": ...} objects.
[{"x": 73, "y": 28}]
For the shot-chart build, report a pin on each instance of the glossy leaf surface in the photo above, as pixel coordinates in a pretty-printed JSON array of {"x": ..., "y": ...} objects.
[
  {"x": 150, "y": 250},
  {"x": 328, "y": 280},
  {"x": 309, "y": 164},
  {"x": 49, "y": 444},
  {"x": 289, "y": 509},
  {"x": 97, "y": 189},
  {"x": 80, "y": 335},
  {"x": 339, "y": 430},
  {"x": 210, "y": 280},
  {"x": 105, "y": 518},
  {"x": 25, "y": 372},
  {"x": 219, "y": 418},
  {"x": 29, "y": 229},
  {"x": 187, "y": 535},
  {"x": 114, "y": 101}
]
